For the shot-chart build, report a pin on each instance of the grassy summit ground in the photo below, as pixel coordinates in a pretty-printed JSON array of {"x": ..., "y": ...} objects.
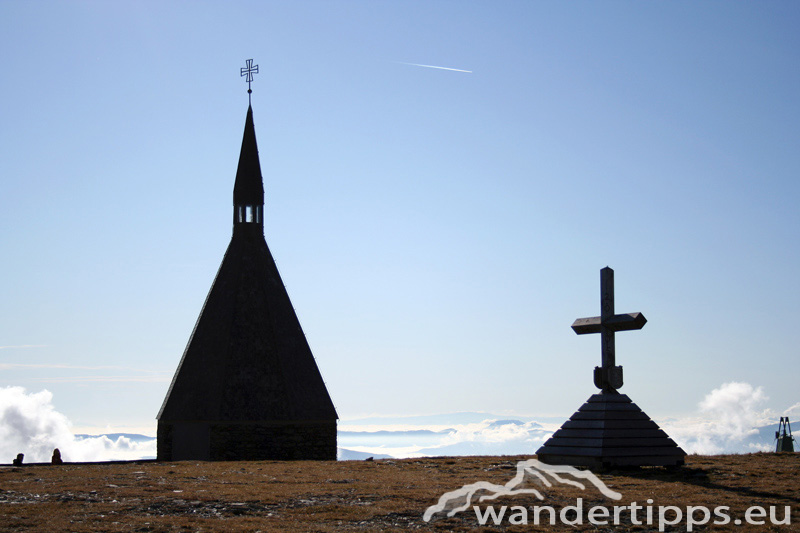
[{"x": 367, "y": 495}]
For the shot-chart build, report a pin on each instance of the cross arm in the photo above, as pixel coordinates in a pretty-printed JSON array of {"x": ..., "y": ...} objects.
[{"x": 624, "y": 322}]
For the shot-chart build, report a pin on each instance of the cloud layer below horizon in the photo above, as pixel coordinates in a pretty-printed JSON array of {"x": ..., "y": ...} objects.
[{"x": 730, "y": 419}]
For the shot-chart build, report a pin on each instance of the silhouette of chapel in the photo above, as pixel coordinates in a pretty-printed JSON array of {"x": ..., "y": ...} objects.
[{"x": 247, "y": 386}]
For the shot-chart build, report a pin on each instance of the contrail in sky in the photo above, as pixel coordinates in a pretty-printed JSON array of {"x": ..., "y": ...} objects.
[
  {"x": 434, "y": 66},
  {"x": 7, "y": 366},
  {"x": 23, "y": 346}
]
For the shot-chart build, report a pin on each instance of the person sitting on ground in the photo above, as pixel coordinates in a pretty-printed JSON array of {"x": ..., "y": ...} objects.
[
  {"x": 18, "y": 460},
  {"x": 56, "y": 460}
]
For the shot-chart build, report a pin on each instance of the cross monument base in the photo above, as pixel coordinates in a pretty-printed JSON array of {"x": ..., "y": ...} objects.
[{"x": 609, "y": 430}]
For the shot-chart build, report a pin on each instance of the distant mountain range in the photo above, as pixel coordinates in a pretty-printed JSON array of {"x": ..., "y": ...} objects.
[
  {"x": 135, "y": 437},
  {"x": 350, "y": 455},
  {"x": 446, "y": 419},
  {"x": 485, "y": 434}
]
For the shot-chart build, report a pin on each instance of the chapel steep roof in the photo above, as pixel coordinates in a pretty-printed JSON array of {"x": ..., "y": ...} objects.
[{"x": 248, "y": 359}]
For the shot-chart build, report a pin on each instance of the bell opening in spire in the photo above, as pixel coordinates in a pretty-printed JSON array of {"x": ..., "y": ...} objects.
[{"x": 248, "y": 214}]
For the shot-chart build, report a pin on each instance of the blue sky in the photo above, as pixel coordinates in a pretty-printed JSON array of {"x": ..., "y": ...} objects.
[{"x": 438, "y": 231}]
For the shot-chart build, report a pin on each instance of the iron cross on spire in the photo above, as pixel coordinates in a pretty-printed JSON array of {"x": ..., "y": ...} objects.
[
  {"x": 608, "y": 377},
  {"x": 248, "y": 71}
]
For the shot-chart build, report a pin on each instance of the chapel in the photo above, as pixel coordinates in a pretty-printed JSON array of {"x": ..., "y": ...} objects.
[{"x": 247, "y": 386}]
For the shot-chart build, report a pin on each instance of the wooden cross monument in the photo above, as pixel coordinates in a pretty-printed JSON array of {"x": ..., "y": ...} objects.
[
  {"x": 608, "y": 376},
  {"x": 609, "y": 430}
]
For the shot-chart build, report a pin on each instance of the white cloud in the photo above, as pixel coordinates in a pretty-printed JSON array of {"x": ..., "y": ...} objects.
[
  {"x": 30, "y": 424},
  {"x": 793, "y": 410},
  {"x": 736, "y": 408},
  {"x": 494, "y": 432},
  {"x": 728, "y": 416},
  {"x": 489, "y": 437}
]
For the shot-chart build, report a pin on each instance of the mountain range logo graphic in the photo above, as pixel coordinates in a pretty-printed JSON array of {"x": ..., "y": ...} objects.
[{"x": 531, "y": 471}]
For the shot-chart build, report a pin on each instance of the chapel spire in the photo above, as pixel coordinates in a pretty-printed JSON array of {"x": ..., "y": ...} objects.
[{"x": 248, "y": 190}]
